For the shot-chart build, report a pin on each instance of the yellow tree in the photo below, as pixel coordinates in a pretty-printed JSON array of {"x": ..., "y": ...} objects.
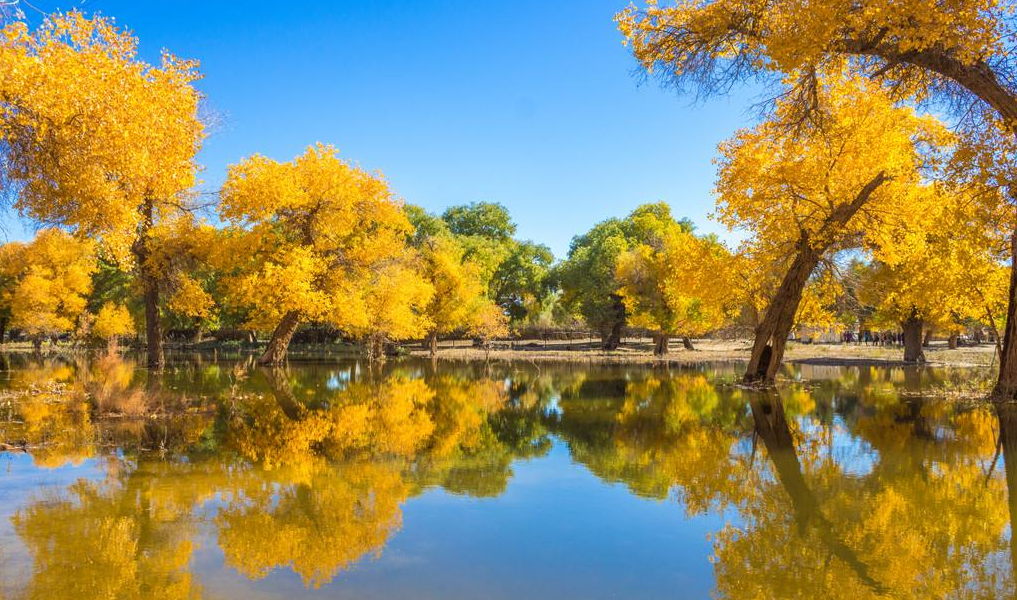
[
  {"x": 395, "y": 302},
  {"x": 50, "y": 278},
  {"x": 310, "y": 240},
  {"x": 459, "y": 291},
  {"x": 489, "y": 322},
  {"x": 957, "y": 275},
  {"x": 956, "y": 53},
  {"x": 680, "y": 286},
  {"x": 112, "y": 322},
  {"x": 850, "y": 176},
  {"x": 97, "y": 140}
]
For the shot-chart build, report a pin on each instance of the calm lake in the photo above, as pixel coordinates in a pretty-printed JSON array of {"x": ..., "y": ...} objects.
[{"x": 513, "y": 480}]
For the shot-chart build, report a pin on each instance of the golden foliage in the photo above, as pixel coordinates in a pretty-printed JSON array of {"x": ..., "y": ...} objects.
[
  {"x": 680, "y": 286},
  {"x": 100, "y": 141},
  {"x": 48, "y": 280},
  {"x": 320, "y": 238},
  {"x": 113, "y": 321}
]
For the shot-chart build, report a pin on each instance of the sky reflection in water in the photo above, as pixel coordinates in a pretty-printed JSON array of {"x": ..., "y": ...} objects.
[{"x": 502, "y": 481}]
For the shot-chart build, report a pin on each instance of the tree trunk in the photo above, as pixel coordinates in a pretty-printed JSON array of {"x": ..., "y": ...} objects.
[
  {"x": 1006, "y": 383},
  {"x": 376, "y": 347},
  {"x": 913, "y": 352},
  {"x": 687, "y": 343},
  {"x": 432, "y": 344},
  {"x": 3, "y": 329},
  {"x": 927, "y": 338},
  {"x": 660, "y": 344},
  {"x": 952, "y": 341},
  {"x": 772, "y": 332},
  {"x": 153, "y": 325},
  {"x": 275, "y": 352},
  {"x": 150, "y": 290},
  {"x": 613, "y": 339}
]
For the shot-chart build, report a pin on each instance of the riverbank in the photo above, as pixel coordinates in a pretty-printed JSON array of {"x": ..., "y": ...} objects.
[
  {"x": 632, "y": 351},
  {"x": 641, "y": 352}
]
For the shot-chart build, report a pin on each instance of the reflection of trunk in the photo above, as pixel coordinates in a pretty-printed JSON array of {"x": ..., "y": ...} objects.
[
  {"x": 1007, "y": 415},
  {"x": 772, "y": 332},
  {"x": 275, "y": 352},
  {"x": 772, "y": 427},
  {"x": 951, "y": 342},
  {"x": 279, "y": 381},
  {"x": 661, "y": 342},
  {"x": 613, "y": 338},
  {"x": 913, "y": 339},
  {"x": 687, "y": 343}
]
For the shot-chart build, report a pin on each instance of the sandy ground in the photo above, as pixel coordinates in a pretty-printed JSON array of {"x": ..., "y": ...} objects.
[{"x": 641, "y": 351}]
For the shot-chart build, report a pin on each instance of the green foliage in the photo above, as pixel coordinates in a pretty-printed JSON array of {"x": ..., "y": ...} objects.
[
  {"x": 480, "y": 219},
  {"x": 587, "y": 277}
]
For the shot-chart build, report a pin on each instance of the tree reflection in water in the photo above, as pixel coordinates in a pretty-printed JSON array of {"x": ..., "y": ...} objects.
[{"x": 842, "y": 487}]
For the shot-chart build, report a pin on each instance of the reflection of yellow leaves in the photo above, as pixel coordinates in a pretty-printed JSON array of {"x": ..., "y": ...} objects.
[{"x": 317, "y": 528}]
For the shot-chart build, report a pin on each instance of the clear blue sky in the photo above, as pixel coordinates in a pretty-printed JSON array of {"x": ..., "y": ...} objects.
[{"x": 535, "y": 105}]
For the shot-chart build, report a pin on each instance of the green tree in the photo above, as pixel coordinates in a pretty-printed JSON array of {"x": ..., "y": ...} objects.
[{"x": 588, "y": 278}]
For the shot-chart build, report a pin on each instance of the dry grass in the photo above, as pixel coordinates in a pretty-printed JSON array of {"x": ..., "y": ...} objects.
[
  {"x": 108, "y": 384},
  {"x": 640, "y": 351}
]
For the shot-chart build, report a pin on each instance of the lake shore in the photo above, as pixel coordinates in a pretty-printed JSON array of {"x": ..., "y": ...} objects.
[{"x": 641, "y": 352}]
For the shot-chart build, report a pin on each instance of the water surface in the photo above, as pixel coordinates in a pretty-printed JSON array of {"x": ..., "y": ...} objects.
[{"x": 334, "y": 479}]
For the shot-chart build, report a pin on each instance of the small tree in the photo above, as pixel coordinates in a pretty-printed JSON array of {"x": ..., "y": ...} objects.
[
  {"x": 680, "y": 286},
  {"x": 113, "y": 322},
  {"x": 488, "y": 324},
  {"x": 50, "y": 278}
]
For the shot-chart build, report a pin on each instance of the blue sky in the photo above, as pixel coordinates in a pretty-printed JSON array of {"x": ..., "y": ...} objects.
[{"x": 536, "y": 105}]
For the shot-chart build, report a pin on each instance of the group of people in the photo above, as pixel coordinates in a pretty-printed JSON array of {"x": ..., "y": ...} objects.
[{"x": 874, "y": 338}]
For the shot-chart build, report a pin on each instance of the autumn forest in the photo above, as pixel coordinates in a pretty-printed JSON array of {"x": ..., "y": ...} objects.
[{"x": 263, "y": 343}]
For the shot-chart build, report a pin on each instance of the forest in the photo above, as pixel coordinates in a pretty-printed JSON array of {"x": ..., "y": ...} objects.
[{"x": 873, "y": 195}]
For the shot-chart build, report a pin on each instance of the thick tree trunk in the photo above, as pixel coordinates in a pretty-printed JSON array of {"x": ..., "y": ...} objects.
[
  {"x": 613, "y": 338},
  {"x": 150, "y": 289},
  {"x": 432, "y": 344},
  {"x": 153, "y": 324},
  {"x": 951, "y": 342},
  {"x": 275, "y": 352},
  {"x": 772, "y": 332},
  {"x": 661, "y": 343},
  {"x": 687, "y": 343},
  {"x": 913, "y": 352},
  {"x": 1006, "y": 383}
]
